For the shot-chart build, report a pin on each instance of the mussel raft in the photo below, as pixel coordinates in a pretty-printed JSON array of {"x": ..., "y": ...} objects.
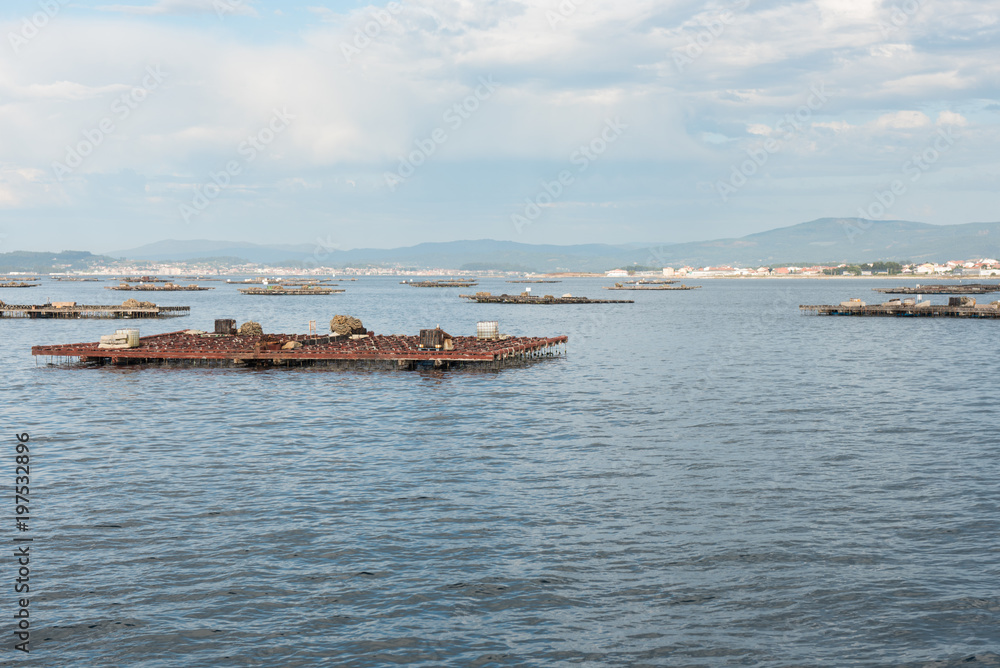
[{"x": 368, "y": 351}]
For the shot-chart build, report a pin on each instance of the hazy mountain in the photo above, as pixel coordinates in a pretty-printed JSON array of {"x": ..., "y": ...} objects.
[
  {"x": 46, "y": 263},
  {"x": 195, "y": 249},
  {"x": 828, "y": 240},
  {"x": 841, "y": 240},
  {"x": 451, "y": 254}
]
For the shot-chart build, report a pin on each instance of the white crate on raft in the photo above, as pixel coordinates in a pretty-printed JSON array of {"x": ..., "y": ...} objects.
[
  {"x": 488, "y": 329},
  {"x": 122, "y": 338}
]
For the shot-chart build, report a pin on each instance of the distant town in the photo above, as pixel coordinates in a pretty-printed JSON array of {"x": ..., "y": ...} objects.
[{"x": 975, "y": 268}]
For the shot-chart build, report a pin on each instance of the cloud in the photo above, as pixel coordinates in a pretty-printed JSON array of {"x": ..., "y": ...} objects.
[
  {"x": 26, "y": 187},
  {"x": 951, "y": 118},
  {"x": 901, "y": 120},
  {"x": 558, "y": 82},
  {"x": 175, "y": 7},
  {"x": 65, "y": 90},
  {"x": 835, "y": 126}
]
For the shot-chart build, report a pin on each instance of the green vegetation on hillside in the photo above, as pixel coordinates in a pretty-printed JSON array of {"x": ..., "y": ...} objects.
[
  {"x": 496, "y": 266},
  {"x": 891, "y": 268},
  {"x": 46, "y": 263}
]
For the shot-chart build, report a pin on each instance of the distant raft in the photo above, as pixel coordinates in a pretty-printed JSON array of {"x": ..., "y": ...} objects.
[
  {"x": 957, "y": 307},
  {"x": 527, "y": 298},
  {"x": 71, "y": 310},
  {"x": 278, "y": 290},
  {"x": 448, "y": 283},
  {"x": 967, "y": 289},
  {"x": 150, "y": 287},
  {"x": 651, "y": 287}
]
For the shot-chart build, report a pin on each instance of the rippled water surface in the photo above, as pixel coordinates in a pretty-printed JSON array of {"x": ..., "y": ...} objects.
[{"x": 708, "y": 478}]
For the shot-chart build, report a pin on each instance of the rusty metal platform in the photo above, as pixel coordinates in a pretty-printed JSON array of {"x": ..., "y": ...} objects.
[{"x": 389, "y": 352}]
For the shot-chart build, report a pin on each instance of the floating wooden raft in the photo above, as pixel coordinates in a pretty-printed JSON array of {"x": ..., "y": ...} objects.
[
  {"x": 141, "y": 279},
  {"x": 442, "y": 284},
  {"x": 19, "y": 284},
  {"x": 643, "y": 281},
  {"x": 920, "y": 310},
  {"x": 487, "y": 298},
  {"x": 294, "y": 350},
  {"x": 296, "y": 283},
  {"x": 149, "y": 287},
  {"x": 90, "y": 311},
  {"x": 619, "y": 286},
  {"x": 306, "y": 290},
  {"x": 966, "y": 289},
  {"x": 278, "y": 281}
]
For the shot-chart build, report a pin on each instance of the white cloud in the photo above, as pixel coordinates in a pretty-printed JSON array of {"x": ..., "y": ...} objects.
[
  {"x": 890, "y": 50},
  {"x": 951, "y": 118},
  {"x": 66, "y": 90},
  {"x": 162, "y": 7},
  {"x": 901, "y": 120},
  {"x": 558, "y": 83},
  {"x": 26, "y": 187},
  {"x": 836, "y": 126}
]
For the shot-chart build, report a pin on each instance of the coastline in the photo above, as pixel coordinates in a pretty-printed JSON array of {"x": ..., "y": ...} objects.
[{"x": 783, "y": 277}]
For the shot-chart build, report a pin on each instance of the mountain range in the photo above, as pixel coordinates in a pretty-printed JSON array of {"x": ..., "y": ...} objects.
[
  {"x": 822, "y": 241},
  {"x": 826, "y": 240},
  {"x": 44, "y": 263}
]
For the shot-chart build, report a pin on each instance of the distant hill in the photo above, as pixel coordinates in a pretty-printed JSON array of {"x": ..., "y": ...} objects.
[
  {"x": 449, "y": 255},
  {"x": 826, "y": 240},
  {"x": 202, "y": 249},
  {"x": 833, "y": 240},
  {"x": 47, "y": 263}
]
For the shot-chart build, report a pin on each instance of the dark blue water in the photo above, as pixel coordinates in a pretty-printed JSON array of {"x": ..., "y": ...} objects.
[{"x": 708, "y": 478}]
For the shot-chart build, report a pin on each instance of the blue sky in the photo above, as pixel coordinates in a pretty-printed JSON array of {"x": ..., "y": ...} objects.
[{"x": 541, "y": 121}]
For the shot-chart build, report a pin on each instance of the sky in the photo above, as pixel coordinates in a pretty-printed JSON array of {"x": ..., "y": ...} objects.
[{"x": 125, "y": 122}]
